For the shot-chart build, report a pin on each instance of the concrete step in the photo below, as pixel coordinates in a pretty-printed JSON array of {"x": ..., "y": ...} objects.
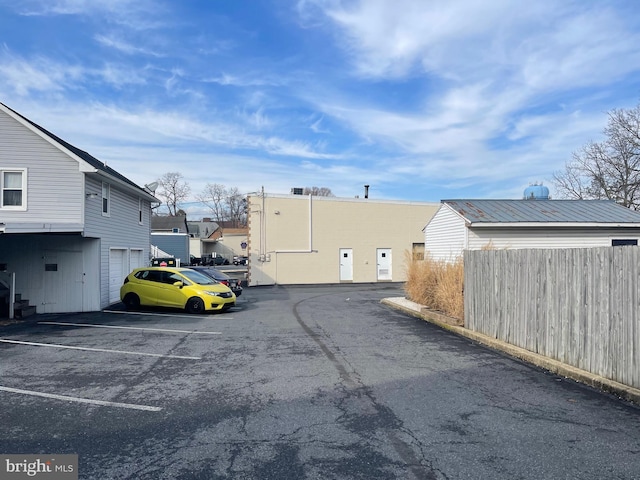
[{"x": 22, "y": 309}]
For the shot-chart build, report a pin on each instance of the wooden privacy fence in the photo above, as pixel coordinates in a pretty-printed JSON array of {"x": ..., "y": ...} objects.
[{"x": 578, "y": 306}]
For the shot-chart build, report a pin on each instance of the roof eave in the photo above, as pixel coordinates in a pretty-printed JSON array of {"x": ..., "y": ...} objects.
[
  {"x": 139, "y": 191},
  {"x": 552, "y": 224}
]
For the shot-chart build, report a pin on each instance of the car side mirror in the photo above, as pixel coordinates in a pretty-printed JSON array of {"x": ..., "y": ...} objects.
[{"x": 178, "y": 284}]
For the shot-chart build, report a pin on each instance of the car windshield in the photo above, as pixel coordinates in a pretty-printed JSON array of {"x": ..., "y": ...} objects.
[{"x": 197, "y": 277}]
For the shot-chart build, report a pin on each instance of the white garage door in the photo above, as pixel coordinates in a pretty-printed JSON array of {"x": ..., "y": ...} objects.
[
  {"x": 135, "y": 260},
  {"x": 117, "y": 272}
]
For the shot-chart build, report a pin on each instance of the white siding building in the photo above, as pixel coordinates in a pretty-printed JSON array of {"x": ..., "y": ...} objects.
[
  {"x": 71, "y": 228},
  {"x": 459, "y": 225}
]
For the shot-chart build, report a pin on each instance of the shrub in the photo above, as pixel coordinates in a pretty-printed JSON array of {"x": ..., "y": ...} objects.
[{"x": 437, "y": 285}]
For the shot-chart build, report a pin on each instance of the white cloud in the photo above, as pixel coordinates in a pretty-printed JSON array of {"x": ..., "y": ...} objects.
[{"x": 23, "y": 76}]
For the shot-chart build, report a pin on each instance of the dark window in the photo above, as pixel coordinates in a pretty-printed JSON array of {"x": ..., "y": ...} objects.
[
  {"x": 106, "y": 198},
  {"x": 12, "y": 185},
  {"x": 51, "y": 267},
  {"x": 622, "y": 242},
  {"x": 149, "y": 275}
]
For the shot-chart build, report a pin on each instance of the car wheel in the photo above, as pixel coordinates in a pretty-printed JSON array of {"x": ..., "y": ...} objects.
[
  {"x": 195, "y": 305},
  {"x": 131, "y": 301}
]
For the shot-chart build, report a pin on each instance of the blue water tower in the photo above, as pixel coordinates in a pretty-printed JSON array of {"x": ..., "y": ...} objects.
[{"x": 536, "y": 191}]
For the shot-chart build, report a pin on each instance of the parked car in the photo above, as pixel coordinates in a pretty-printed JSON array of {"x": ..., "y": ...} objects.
[
  {"x": 219, "y": 260},
  {"x": 223, "y": 278},
  {"x": 240, "y": 260},
  {"x": 208, "y": 259},
  {"x": 175, "y": 287}
]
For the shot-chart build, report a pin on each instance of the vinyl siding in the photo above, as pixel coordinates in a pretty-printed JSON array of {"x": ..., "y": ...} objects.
[
  {"x": 445, "y": 235},
  {"x": 120, "y": 229},
  {"x": 547, "y": 238},
  {"x": 54, "y": 182}
]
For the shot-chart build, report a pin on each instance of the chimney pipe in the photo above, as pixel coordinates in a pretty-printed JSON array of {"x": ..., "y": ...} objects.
[{"x": 366, "y": 191}]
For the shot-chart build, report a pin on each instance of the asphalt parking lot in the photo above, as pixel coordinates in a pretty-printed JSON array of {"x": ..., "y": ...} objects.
[{"x": 299, "y": 382}]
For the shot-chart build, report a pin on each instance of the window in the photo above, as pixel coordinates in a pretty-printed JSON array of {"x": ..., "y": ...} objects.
[
  {"x": 13, "y": 184},
  {"x": 622, "y": 242},
  {"x": 140, "y": 211},
  {"x": 106, "y": 194}
]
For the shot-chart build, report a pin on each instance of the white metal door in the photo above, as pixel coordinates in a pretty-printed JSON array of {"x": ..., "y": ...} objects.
[
  {"x": 384, "y": 263},
  {"x": 117, "y": 272},
  {"x": 63, "y": 282},
  {"x": 346, "y": 264}
]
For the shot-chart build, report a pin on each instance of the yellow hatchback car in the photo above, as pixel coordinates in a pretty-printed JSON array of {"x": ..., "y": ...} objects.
[{"x": 175, "y": 287}]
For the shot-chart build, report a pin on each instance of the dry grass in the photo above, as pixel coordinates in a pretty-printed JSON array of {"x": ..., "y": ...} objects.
[{"x": 437, "y": 285}]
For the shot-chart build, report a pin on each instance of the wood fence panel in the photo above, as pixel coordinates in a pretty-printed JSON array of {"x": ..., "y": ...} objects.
[{"x": 578, "y": 306}]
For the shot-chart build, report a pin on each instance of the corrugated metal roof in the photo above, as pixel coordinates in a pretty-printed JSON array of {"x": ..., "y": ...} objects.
[{"x": 543, "y": 211}]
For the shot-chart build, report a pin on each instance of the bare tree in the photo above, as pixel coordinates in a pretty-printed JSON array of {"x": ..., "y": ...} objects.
[
  {"x": 609, "y": 169},
  {"x": 226, "y": 204},
  {"x": 214, "y": 197},
  {"x": 237, "y": 207},
  {"x": 318, "y": 191},
  {"x": 173, "y": 190}
]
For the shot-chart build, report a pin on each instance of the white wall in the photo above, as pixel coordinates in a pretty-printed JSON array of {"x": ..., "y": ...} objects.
[
  {"x": 547, "y": 237},
  {"x": 445, "y": 235},
  {"x": 73, "y": 286}
]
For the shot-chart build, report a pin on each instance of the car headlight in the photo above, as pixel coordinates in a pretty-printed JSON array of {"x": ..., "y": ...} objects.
[{"x": 213, "y": 294}]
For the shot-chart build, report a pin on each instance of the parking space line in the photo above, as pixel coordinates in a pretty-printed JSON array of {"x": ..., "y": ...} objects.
[
  {"x": 128, "y": 328},
  {"x": 53, "y": 345},
  {"x": 163, "y": 314},
  {"x": 81, "y": 400}
]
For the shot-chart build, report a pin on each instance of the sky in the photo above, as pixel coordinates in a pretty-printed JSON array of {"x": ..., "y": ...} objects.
[{"x": 423, "y": 100}]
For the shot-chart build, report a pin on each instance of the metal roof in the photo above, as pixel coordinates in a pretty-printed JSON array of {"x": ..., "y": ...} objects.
[{"x": 543, "y": 211}]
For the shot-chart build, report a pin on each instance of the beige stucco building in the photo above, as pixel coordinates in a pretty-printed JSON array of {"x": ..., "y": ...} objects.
[{"x": 304, "y": 239}]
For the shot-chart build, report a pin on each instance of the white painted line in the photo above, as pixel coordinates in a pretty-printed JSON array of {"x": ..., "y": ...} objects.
[
  {"x": 3, "y": 340},
  {"x": 164, "y": 314},
  {"x": 128, "y": 328},
  {"x": 81, "y": 400}
]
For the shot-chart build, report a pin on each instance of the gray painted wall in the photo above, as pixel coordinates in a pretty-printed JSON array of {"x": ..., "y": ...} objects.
[
  {"x": 121, "y": 229},
  {"x": 176, "y": 244},
  {"x": 55, "y": 186}
]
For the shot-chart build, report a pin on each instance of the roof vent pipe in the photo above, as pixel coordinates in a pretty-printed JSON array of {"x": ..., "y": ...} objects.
[{"x": 366, "y": 191}]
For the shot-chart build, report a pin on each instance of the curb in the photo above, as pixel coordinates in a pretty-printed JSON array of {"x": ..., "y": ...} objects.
[{"x": 554, "y": 366}]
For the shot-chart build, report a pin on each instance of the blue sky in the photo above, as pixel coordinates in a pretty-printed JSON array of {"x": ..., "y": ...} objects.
[{"x": 422, "y": 100}]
